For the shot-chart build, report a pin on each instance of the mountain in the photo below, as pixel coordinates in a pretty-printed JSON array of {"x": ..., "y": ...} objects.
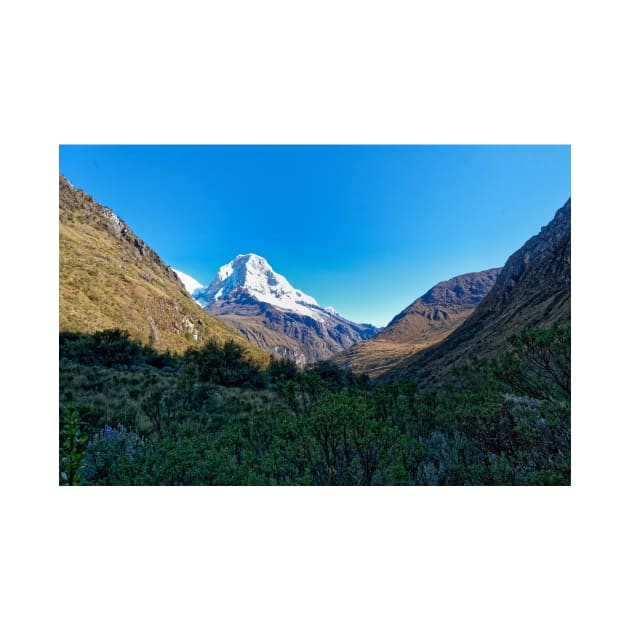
[
  {"x": 425, "y": 322},
  {"x": 110, "y": 278},
  {"x": 250, "y": 297},
  {"x": 189, "y": 282},
  {"x": 532, "y": 290}
]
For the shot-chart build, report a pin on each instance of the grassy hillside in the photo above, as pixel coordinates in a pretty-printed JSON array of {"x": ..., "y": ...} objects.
[
  {"x": 109, "y": 278},
  {"x": 377, "y": 355}
]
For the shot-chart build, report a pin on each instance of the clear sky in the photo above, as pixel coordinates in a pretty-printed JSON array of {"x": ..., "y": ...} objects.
[{"x": 365, "y": 229}]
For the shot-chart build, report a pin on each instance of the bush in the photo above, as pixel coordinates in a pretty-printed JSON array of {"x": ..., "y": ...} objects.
[
  {"x": 72, "y": 446},
  {"x": 497, "y": 422},
  {"x": 110, "y": 348},
  {"x": 281, "y": 370},
  {"x": 107, "y": 449},
  {"x": 539, "y": 365},
  {"x": 224, "y": 365}
]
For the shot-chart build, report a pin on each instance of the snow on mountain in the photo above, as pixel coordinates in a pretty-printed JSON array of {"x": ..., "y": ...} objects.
[
  {"x": 253, "y": 274},
  {"x": 250, "y": 297},
  {"x": 188, "y": 281}
]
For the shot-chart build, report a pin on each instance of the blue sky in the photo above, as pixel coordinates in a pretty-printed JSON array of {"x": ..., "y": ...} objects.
[{"x": 366, "y": 229}]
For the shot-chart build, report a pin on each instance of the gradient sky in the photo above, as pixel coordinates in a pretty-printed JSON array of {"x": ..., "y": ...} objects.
[{"x": 365, "y": 229}]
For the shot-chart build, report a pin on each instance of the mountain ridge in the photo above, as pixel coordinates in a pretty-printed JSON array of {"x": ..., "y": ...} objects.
[
  {"x": 253, "y": 274},
  {"x": 426, "y": 321},
  {"x": 191, "y": 284},
  {"x": 533, "y": 289},
  {"x": 261, "y": 304},
  {"x": 110, "y": 278}
]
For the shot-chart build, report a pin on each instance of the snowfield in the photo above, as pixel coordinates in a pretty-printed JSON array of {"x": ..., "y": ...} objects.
[
  {"x": 189, "y": 282},
  {"x": 254, "y": 274}
]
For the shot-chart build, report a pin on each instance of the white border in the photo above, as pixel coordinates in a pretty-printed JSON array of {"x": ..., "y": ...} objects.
[{"x": 342, "y": 72}]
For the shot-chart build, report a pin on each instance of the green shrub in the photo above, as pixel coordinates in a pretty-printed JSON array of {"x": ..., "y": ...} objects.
[
  {"x": 72, "y": 447},
  {"x": 222, "y": 364},
  {"x": 218, "y": 419}
]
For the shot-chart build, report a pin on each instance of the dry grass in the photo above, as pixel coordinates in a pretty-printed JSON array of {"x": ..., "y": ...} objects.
[
  {"x": 108, "y": 278},
  {"x": 376, "y": 356}
]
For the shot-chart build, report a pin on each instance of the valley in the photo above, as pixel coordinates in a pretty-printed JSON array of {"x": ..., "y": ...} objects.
[
  {"x": 248, "y": 380},
  {"x": 431, "y": 318}
]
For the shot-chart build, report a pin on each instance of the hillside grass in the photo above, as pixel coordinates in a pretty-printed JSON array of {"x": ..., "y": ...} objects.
[{"x": 108, "y": 278}]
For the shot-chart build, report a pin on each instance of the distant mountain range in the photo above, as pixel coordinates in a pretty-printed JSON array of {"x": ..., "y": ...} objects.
[
  {"x": 423, "y": 323},
  {"x": 250, "y": 297},
  {"x": 533, "y": 289},
  {"x": 109, "y": 278}
]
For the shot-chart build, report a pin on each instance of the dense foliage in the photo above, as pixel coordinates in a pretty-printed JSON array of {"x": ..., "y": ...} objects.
[{"x": 132, "y": 416}]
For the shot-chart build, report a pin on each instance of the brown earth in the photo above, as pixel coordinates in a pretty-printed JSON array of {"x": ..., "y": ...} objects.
[
  {"x": 285, "y": 334},
  {"x": 532, "y": 290},
  {"x": 422, "y": 324}
]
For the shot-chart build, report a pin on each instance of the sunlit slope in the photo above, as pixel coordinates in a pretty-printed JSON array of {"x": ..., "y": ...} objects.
[
  {"x": 109, "y": 278},
  {"x": 425, "y": 322}
]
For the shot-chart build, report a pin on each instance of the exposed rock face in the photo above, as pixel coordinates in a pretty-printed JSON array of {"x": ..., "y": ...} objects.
[
  {"x": 425, "y": 322},
  {"x": 533, "y": 289},
  {"x": 289, "y": 335},
  {"x": 441, "y": 308},
  {"x": 260, "y": 304},
  {"x": 110, "y": 278}
]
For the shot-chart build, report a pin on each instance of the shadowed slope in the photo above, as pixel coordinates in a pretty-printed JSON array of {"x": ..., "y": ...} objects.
[{"x": 532, "y": 290}]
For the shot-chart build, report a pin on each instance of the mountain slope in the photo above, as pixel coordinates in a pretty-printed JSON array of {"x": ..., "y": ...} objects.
[
  {"x": 189, "y": 282},
  {"x": 533, "y": 289},
  {"x": 253, "y": 274},
  {"x": 423, "y": 323},
  {"x": 249, "y": 296},
  {"x": 109, "y": 278}
]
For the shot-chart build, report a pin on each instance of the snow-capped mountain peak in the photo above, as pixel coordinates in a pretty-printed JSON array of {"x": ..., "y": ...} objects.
[
  {"x": 188, "y": 281},
  {"x": 250, "y": 297},
  {"x": 253, "y": 274}
]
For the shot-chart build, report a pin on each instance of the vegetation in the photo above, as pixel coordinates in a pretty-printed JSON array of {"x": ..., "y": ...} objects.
[
  {"x": 131, "y": 415},
  {"x": 109, "y": 278},
  {"x": 424, "y": 323}
]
